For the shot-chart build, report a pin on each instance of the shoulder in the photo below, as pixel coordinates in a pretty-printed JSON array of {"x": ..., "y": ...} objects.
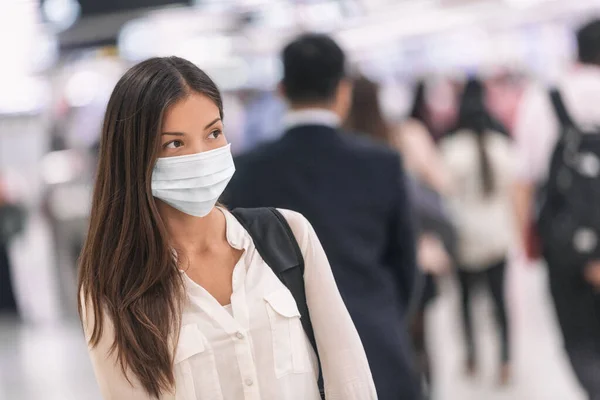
[
  {"x": 501, "y": 144},
  {"x": 358, "y": 141},
  {"x": 499, "y": 138},
  {"x": 301, "y": 228},
  {"x": 297, "y": 221},
  {"x": 413, "y": 131},
  {"x": 456, "y": 140},
  {"x": 536, "y": 98},
  {"x": 368, "y": 149},
  {"x": 581, "y": 79},
  {"x": 413, "y": 127}
]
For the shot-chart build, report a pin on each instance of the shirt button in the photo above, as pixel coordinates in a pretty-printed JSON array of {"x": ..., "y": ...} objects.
[
  {"x": 249, "y": 382},
  {"x": 239, "y": 335}
]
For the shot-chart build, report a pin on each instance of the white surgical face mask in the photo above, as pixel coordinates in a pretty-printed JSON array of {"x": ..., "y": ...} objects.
[{"x": 193, "y": 183}]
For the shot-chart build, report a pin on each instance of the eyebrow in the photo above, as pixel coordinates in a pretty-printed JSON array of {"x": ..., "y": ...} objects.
[
  {"x": 173, "y": 133},
  {"x": 212, "y": 123},
  {"x": 183, "y": 134}
]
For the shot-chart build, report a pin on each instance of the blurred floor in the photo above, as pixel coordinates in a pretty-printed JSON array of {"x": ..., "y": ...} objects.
[
  {"x": 540, "y": 369},
  {"x": 51, "y": 363},
  {"x": 48, "y": 363}
]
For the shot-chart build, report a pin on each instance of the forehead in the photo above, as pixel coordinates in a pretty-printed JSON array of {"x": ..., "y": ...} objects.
[{"x": 195, "y": 110}]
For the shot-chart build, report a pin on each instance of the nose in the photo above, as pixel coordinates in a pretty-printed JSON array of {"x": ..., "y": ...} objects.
[{"x": 196, "y": 145}]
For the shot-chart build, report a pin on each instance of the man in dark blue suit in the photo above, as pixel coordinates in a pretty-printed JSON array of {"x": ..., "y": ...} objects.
[{"x": 354, "y": 194}]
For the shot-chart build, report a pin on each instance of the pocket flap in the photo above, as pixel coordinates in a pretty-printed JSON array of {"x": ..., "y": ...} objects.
[
  {"x": 283, "y": 303},
  {"x": 191, "y": 342}
]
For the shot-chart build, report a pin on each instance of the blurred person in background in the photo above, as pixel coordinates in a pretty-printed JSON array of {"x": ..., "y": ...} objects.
[
  {"x": 478, "y": 155},
  {"x": 414, "y": 140},
  {"x": 354, "y": 192},
  {"x": 435, "y": 106},
  {"x": 427, "y": 180},
  {"x": 504, "y": 90},
  {"x": 549, "y": 123},
  {"x": 263, "y": 114},
  {"x": 176, "y": 299},
  {"x": 12, "y": 222}
]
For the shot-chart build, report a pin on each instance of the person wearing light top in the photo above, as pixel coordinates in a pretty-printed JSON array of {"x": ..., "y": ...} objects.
[
  {"x": 479, "y": 158},
  {"x": 574, "y": 287},
  {"x": 175, "y": 300}
]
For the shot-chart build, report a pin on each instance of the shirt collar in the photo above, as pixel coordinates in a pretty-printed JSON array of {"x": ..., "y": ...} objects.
[
  {"x": 311, "y": 116},
  {"x": 236, "y": 235}
]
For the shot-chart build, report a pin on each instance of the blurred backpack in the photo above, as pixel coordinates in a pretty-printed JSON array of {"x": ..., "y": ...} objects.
[
  {"x": 12, "y": 222},
  {"x": 568, "y": 206}
]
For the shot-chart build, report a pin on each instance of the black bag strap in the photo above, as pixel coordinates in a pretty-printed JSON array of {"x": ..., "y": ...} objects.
[
  {"x": 570, "y": 133},
  {"x": 561, "y": 110},
  {"x": 278, "y": 247}
]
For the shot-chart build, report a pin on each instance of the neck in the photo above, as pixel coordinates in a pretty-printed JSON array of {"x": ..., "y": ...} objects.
[
  {"x": 588, "y": 66},
  {"x": 312, "y": 106},
  {"x": 192, "y": 235}
]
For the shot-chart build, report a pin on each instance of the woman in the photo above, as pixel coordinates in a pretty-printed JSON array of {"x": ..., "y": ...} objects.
[
  {"x": 478, "y": 156},
  {"x": 421, "y": 159},
  {"x": 415, "y": 141},
  {"x": 175, "y": 300}
]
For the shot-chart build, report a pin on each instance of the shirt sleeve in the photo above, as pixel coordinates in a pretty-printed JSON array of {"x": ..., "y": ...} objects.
[
  {"x": 109, "y": 375},
  {"x": 346, "y": 371}
]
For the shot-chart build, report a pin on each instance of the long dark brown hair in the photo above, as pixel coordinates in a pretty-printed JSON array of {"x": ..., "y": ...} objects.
[
  {"x": 419, "y": 105},
  {"x": 365, "y": 115},
  {"x": 127, "y": 270}
]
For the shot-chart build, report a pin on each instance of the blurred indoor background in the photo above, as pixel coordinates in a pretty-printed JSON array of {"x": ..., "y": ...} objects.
[{"x": 61, "y": 59}]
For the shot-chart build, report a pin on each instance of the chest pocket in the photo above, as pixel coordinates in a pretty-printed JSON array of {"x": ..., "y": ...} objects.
[
  {"x": 196, "y": 375},
  {"x": 290, "y": 352}
]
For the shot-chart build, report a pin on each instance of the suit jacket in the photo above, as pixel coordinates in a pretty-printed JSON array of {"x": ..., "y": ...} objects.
[{"x": 354, "y": 194}]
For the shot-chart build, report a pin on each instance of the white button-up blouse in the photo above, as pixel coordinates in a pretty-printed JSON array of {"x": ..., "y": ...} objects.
[{"x": 256, "y": 349}]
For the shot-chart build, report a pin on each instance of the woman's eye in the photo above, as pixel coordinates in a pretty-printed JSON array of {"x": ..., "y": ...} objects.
[
  {"x": 174, "y": 144},
  {"x": 215, "y": 134}
]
